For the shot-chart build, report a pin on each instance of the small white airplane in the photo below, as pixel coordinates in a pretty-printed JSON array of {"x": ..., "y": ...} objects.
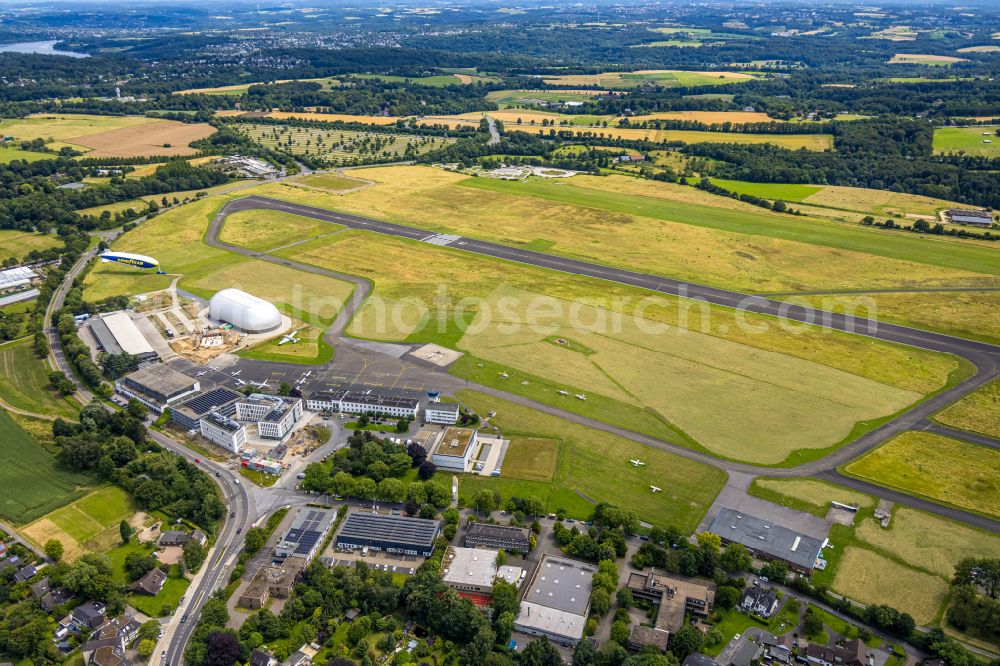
[
  {"x": 236, "y": 374},
  {"x": 563, "y": 392},
  {"x": 262, "y": 384},
  {"x": 307, "y": 374},
  {"x": 203, "y": 372},
  {"x": 580, "y": 396},
  {"x": 637, "y": 463},
  {"x": 240, "y": 382},
  {"x": 504, "y": 375},
  {"x": 655, "y": 489},
  {"x": 289, "y": 338}
]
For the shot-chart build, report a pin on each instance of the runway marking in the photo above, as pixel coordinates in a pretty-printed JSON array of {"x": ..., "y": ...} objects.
[{"x": 440, "y": 239}]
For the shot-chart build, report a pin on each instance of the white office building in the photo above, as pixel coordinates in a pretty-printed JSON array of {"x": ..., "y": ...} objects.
[
  {"x": 224, "y": 431},
  {"x": 455, "y": 449},
  {"x": 443, "y": 413},
  {"x": 275, "y": 415}
]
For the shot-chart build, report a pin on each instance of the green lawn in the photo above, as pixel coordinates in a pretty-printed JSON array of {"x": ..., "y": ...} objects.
[
  {"x": 100, "y": 510},
  {"x": 733, "y": 623},
  {"x": 808, "y": 495},
  {"x": 8, "y": 155},
  {"x": 906, "y": 247},
  {"x": 33, "y": 482},
  {"x": 775, "y": 191},
  {"x": 970, "y": 140},
  {"x": 14, "y": 243},
  {"x": 331, "y": 181},
  {"x": 593, "y": 467},
  {"x": 24, "y": 381},
  {"x": 168, "y": 598}
]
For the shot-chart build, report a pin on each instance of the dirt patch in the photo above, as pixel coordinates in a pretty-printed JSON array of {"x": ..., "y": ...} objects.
[
  {"x": 42, "y": 530},
  {"x": 164, "y": 138}
]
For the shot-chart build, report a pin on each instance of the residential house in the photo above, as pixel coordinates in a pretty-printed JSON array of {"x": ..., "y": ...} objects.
[
  {"x": 759, "y": 601},
  {"x": 852, "y": 653},
  {"x": 25, "y": 574},
  {"x": 260, "y": 658},
  {"x": 643, "y": 636},
  {"x": 151, "y": 583},
  {"x": 180, "y": 538},
  {"x": 298, "y": 658},
  {"x": 108, "y": 656},
  {"x": 86, "y": 616},
  {"x": 48, "y": 598},
  {"x": 699, "y": 660}
]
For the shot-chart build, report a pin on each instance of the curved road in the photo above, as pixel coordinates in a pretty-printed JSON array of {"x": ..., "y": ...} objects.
[{"x": 984, "y": 356}]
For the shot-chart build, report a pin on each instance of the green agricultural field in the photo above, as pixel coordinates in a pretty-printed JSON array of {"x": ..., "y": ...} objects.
[
  {"x": 941, "y": 469},
  {"x": 19, "y": 243},
  {"x": 807, "y": 495},
  {"x": 88, "y": 525},
  {"x": 982, "y": 140},
  {"x": 8, "y": 155},
  {"x": 268, "y": 229},
  {"x": 594, "y": 467},
  {"x": 978, "y": 412},
  {"x": 438, "y": 81},
  {"x": 533, "y": 97},
  {"x": 34, "y": 483},
  {"x": 24, "y": 382},
  {"x": 342, "y": 147}
]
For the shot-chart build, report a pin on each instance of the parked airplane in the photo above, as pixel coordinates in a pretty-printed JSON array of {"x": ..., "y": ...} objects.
[
  {"x": 637, "y": 463},
  {"x": 203, "y": 372},
  {"x": 580, "y": 396},
  {"x": 655, "y": 489},
  {"x": 563, "y": 392},
  {"x": 289, "y": 338},
  {"x": 236, "y": 374},
  {"x": 262, "y": 384},
  {"x": 240, "y": 382},
  {"x": 504, "y": 375}
]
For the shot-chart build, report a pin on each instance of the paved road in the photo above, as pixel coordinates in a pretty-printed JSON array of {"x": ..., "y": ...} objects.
[
  {"x": 985, "y": 357},
  {"x": 494, "y": 132}
]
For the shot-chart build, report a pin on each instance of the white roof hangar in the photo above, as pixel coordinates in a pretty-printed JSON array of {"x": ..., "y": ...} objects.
[
  {"x": 244, "y": 311},
  {"x": 556, "y": 602}
]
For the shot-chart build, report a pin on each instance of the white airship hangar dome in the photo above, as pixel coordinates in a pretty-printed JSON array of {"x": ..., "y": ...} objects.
[{"x": 244, "y": 311}]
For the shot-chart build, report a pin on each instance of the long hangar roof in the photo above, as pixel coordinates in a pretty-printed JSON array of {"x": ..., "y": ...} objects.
[{"x": 400, "y": 529}]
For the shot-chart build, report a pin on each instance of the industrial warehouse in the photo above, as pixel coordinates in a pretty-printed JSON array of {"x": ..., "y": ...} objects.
[
  {"x": 394, "y": 534},
  {"x": 557, "y": 599},
  {"x": 768, "y": 540}
]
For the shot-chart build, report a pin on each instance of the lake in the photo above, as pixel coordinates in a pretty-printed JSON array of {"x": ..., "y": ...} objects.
[{"x": 41, "y": 48}]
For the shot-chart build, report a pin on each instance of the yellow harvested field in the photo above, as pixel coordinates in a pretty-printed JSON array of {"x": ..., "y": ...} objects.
[
  {"x": 165, "y": 137},
  {"x": 978, "y": 411},
  {"x": 923, "y": 59},
  {"x": 817, "y": 142},
  {"x": 451, "y": 122},
  {"x": 907, "y": 540},
  {"x": 66, "y": 127},
  {"x": 945, "y": 470},
  {"x": 878, "y": 202},
  {"x": 44, "y": 529},
  {"x": 988, "y": 48},
  {"x": 870, "y": 578},
  {"x": 334, "y": 117},
  {"x": 707, "y": 117}
]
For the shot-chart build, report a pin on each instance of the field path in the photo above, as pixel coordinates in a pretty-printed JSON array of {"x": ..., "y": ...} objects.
[
  {"x": 985, "y": 357},
  {"x": 24, "y": 412}
]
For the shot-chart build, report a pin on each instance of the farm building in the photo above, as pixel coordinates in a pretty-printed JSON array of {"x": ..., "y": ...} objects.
[
  {"x": 244, "y": 311},
  {"x": 975, "y": 218},
  {"x": 115, "y": 333},
  {"x": 504, "y": 537},
  {"x": 12, "y": 278},
  {"x": 394, "y": 534},
  {"x": 157, "y": 387},
  {"x": 767, "y": 540},
  {"x": 442, "y": 413},
  {"x": 556, "y": 601},
  {"x": 455, "y": 449},
  {"x": 305, "y": 536}
]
